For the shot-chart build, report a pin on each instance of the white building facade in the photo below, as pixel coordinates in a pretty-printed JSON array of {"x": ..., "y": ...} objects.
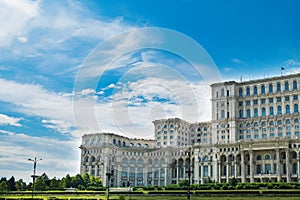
[{"x": 253, "y": 137}]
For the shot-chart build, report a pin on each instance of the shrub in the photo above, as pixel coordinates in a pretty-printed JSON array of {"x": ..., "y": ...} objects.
[{"x": 122, "y": 197}]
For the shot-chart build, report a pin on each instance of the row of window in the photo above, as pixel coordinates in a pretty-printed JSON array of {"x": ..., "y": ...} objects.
[
  {"x": 270, "y": 89},
  {"x": 165, "y": 126},
  {"x": 271, "y": 135},
  {"x": 271, "y": 100},
  {"x": 263, "y": 111},
  {"x": 271, "y": 123}
]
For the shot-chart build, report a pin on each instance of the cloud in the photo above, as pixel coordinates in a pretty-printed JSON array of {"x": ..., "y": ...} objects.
[
  {"x": 59, "y": 157},
  {"x": 236, "y": 60},
  {"x": 7, "y": 120},
  {"x": 59, "y": 126}
]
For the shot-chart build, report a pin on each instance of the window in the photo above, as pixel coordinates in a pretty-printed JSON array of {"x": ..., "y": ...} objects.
[
  {"x": 241, "y": 113},
  {"x": 258, "y": 157},
  {"x": 263, "y": 101},
  {"x": 278, "y": 99},
  {"x": 264, "y": 136},
  {"x": 255, "y": 112},
  {"x": 240, "y": 92},
  {"x": 271, "y": 123},
  {"x": 278, "y": 87},
  {"x": 222, "y": 92},
  {"x": 267, "y": 157},
  {"x": 286, "y": 86},
  {"x": 270, "y": 88},
  {"x": 295, "y": 108},
  {"x": 263, "y": 89},
  {"x": 271, "y": 111},
  {"x": 248, "y": 113},
  {"x": 271, "y": 100},
  {"x": 223, "y": 114},
  {"x": 247, "y": 91},
  {"x": 240, "y": 103},
  {"x": 279, "y": 122},
  {"x": 248, "y": 103},
  {"x": 295, "y": 97},
  {"x": 255, "y": 90},
  {"x": 287, "y": 98},
  {"x": 263, "y": 112},
  {"x": 256, "y": 136},
  {"x": 255, "y": 102},
  {"x": 258, "y": 169},
  {"x": 287, "y": 109},
  {"x": 263, "y": 123},
  {"x": 279, "y": 110},
  {"x": 272, "y": 135},
  {"x": 295, "y": 85}
]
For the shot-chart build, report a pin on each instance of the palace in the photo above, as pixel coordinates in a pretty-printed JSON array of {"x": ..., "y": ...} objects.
[{"x": 252, "y": 137}]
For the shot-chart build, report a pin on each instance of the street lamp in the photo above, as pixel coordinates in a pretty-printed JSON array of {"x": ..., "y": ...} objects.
[
  {"x": 189, "y": 171},
  {"x": 34, "y": 170}
]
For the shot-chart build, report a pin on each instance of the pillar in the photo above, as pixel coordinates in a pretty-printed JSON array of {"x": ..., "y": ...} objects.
[
  {"x": 278, "y": 165},
  {"x": 251, "y": 166},
  {"x": 243, "y": 166},
  {"x": 287, "y": 161}
]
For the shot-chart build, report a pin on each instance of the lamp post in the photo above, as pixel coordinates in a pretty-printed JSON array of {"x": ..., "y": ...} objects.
[
  {"x": 34, "y": 170},
  {"x": 189, "y": 171}
]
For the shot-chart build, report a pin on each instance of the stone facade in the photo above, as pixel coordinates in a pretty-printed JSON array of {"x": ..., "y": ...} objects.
[{"x": 253, "y": 136}]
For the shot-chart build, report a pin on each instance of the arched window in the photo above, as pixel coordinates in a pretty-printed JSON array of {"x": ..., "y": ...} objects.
[
  {"x": 140, "y": 161},
  {"x": 222, "y": 92},
  {"x": 248, "y": 113},
  {"x": 132, "y": 161},
  {"x": 287, "y": 109},
  {"x": 240, "y": 92},
  {"x": 279, "y": 110},
  {"x": 256, "y": 124},
  {"x": 278, "y": 87},
  {"x": 296, "y": 108},
  {"x": 124, "y": 144},
  {"x": 172, "y": 126},
  {"x": 263, "y": 123},
  {"x": 287, "y": 121},
  {"x": 124, "y": 161},
  {"x": 165, "y": 126},
  {"x": 258, "y": 157},
  {"x": 248, "y": 125},
  {"x": 279, "y": 122},
  {"x": 114, "y": 141},
  {"x": 248, "y": 91},
  {"x": 271, "y": 123},
  {"x": 138, "y": 145},
  {"x": 286, "y": 86},
  {"x": 263, "y": 89},
  {"x": 146, "y": 145},
  {"x": 267, "y": 157},
  {"x": 296, "y": 121},
  {"x": 255, "y": 112},
  {"x": 295, "y": 85},
  {"x": 223, "y": 114},
  {"x": 271, "y": 111},
  {"x": 255, "y": 90},
  {"x": 270, "y": 88},
  {"x": 241, "y": 113},
  {"x": 263, "y": 112},
  {"x": 294, "y": 155}
]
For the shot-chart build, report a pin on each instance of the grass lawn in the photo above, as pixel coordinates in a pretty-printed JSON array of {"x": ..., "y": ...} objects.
[{"x": 114, "y": 197}]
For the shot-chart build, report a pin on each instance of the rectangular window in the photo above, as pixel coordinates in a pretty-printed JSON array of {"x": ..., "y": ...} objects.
[
  {"x": 274, "y": 168},
  {"x": 272, "y": 135},
  {"x": 255, "y": 102},
  {"x": 248, "y": 103},
  {"x": 205, "y": 171},
  {"x": 295, "y": 97},
  {"x": 241, "y": 137},
  {"x": 258, "y": 169},
  {"x": 248, "y": 136},
  {"x": 278, "y": 99},
  {"x": 263, "y": 101},
  {"x": 287, "y": 98},
  {"x": 288, "y": 134},
  {"x": 264, "y": 135},
  {"x": 256, "y": 136},
  {"x": 271, "y": 100},
  {"x": 280, "y": 135},
  {"x": 240, "y": 103}
]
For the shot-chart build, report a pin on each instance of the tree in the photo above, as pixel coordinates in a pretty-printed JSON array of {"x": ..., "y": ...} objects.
[
  {"x": 54, "y": 183},
  {"x": 183, "y": 183},
  {"x": 40, "y": 184},
  {"x": 86, "y": 179},
  {"x": 11, "y": 184},
  {"x": 3, "y": 186},
  {"x": 66, "y": 182},
  {"x": 20, "y": 185}
]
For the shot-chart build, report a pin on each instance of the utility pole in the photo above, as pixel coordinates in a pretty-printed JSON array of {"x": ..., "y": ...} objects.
[{"x": 34, "y": 170}]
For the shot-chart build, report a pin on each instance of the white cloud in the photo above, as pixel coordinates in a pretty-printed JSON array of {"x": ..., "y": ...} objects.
[
  {"x": 59, "y": 157},
  {"x": 59, "y": 126},
  {"x": 236, "y": 60},
  {"x": 7, "y": 120}
]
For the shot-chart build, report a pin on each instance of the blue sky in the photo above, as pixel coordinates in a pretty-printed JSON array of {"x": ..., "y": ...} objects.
[{"x": 54, "y": 87}]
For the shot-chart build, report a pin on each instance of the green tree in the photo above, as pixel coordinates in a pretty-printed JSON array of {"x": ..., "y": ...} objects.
[
  {"x": 66, "y": 182},
  {"x": 86, "y": 179},
  {"x": 78, "y": 182},
  {"x": 95, "y": 181},
  {"x": 3, "y": 186},
  {"x": 54, "y": 183},
  {"x": 20, "y": 185},
  {"x": 11, "y": 184},
  {"x": 183, "y": 183},
  {"x": 40, "y": 184}
]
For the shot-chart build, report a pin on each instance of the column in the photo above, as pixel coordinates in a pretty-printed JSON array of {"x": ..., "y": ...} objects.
[
  {"x": 202, "y": 173},
  {"x": 166, "y": 175},
  {"x": 196, "y": 172},
  {"x": 278, "y": 165},
  {"x": 227, "y": 171},
  {"x": 219, "y": 172},
  {"x": 243, "y": 166},
  {"x": 96, "y": 170},
  {"x": 251, "y": 166},
  {"x": 177, "y": 172},
  {"x": 298, "y": 167},
  {"x": 287, "y": 161},
  {"x": 209, "y": 170}
]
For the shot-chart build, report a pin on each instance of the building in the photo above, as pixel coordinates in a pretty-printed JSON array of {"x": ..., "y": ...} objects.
[{"x": 253, "y": 136}]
